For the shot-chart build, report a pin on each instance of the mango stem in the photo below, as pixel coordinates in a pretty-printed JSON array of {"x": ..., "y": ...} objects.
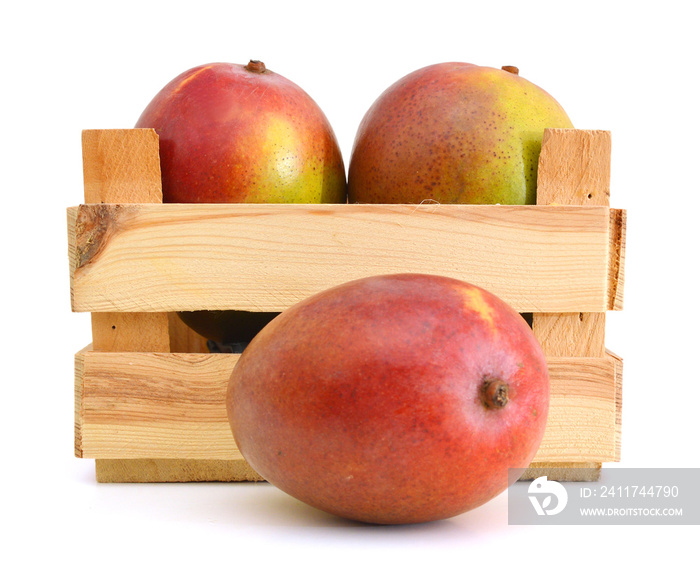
[{"x": 494, "y": 393}]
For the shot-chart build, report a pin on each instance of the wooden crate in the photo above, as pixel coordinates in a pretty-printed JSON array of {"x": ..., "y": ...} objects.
[{"x": 149, "y": 398}]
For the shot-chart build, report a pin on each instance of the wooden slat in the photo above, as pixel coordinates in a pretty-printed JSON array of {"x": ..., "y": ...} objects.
[
  {"x": 156, "y": 405},
  {"x": 167, "y": 406},
  {"x": 144, "y": 258},
  {"x": 564, "y": 471},
  {"x": 617, "y": 361},
  {"x": 169, "y": 470},
  {"x": 616, "y": 264},
  {"x": 79, "y": 366},
  {"x": 582, "y": 413}
]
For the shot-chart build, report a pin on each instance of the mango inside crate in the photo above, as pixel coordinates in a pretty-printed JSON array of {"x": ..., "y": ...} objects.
[{"x": 149, "y": 398}]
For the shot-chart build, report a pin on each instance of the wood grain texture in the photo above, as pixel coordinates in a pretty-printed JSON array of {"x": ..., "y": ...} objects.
[
  {"x": 121, "y": 166},
  {"x": 574, "y": 169},
  {"x": 169, "y": 470},
  {"x": 149, "y": 471},
  {"x": 260, "y": 257},
  {"x": 568, "y": 334},
  {"x": 125, "y": 332},
  {"x": 172, "y": 406},
  {"x": 616, "y": 261},
  {"x": 78, "y": 370},
  {"x": 617, "y": 361},
  {"x": 157, "y": 405},
  {"x": 582, "y": 414},
  {"x": 564, "y": 472}
]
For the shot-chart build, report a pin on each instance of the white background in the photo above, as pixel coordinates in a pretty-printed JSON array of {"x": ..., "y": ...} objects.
[{"x": 627, "y": 67}]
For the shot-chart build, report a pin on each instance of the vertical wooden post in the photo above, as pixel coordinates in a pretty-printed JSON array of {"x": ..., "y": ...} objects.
[
  {"x": 574, "y": 169},
  {"x": 123, "y": 166}
]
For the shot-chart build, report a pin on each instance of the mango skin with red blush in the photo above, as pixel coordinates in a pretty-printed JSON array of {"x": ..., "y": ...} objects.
[
  {"x": 233, "y": 133},
  {"x": 453, "y": 133},
  {"x": 392, "y": 399}
]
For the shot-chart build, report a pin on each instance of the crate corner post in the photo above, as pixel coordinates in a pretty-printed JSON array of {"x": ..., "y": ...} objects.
[
  {"x": 120, "y": 166},
  {"x": 574, "y": 169}
]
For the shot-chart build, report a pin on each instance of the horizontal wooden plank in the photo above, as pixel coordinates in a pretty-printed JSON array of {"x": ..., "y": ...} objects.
[
  {"x": 581, "y": 426},
  {"x": 564, "y": 472},
  {"x": 172, "y": 406},
  {"x": 153, "y": 258},
  {"x": 180, "y": 470}
]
